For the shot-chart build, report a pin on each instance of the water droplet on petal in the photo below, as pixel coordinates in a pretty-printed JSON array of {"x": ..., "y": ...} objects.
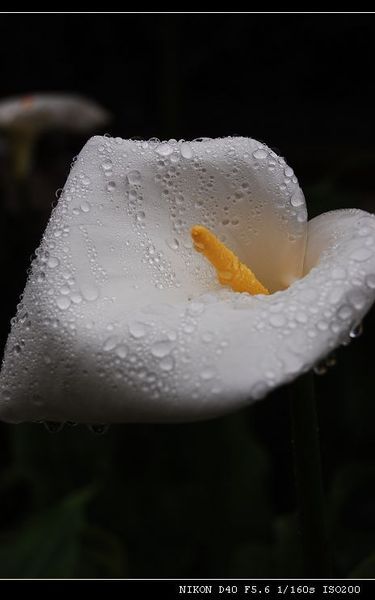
[
  {"x": 186, "y": 150},
  {"x": 53, "y": 427},
  {"x": 111, "y": 186},
  {"x": 356, "y": 331},
  {"x": 260, "y": 154},
  {"x": 134, "y": 177},
  {"x": 345, "y": 312},
  {"x": 164, "y": 149},
  {"x": 277, "y": 320},
  {"x": 195, "y": 308},
  {"x": 370, "y": 281},
  {"x": 110, "y": 343},
  {"x": 288, "y": 172},
  {"x": 208, "y": 373},
  {"x": 338, "y": 273},
  {"x": 167, "y": 363},
  {"x": 357, "y": 299},
  {"x": 53, "y": 262},
  {"x": 89, "y": 291},
  {"x": 98, "y": 429},
  {"x": 63, "y": 302},
  {"x": 173, "y": 243},
  {"x": 331, "y": 360},
  {"x": 361, "y": 254},
  {"x": 297, "y": 199},
  {"x": 161, "y": 348},
  {"x": 122, "y": 351},
  {"x": 107, "y": 165},
  {"x": 76, "y": 298},
  {"x": 137, "y": 329},
  {"x": 320, "y": 368}
]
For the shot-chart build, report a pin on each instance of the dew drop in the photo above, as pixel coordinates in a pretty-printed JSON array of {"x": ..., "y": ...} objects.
[
  {"x": 345, "y": 312},
  {"x": 53, "y": 427},
  {"x": 361, "y": 254},
  {"x": 164, "y": 149},
  {"x": 288, "y": 172},
  {"x": 260, "y": 154},
  {"x": 137, "y": 329},
  {"x": 207, "y": 373},
  {"x": 89, "y": 291},
  {"x": 167, "y": 363},
  {"x": 277, "y": 320},
  {"x": 320, "y": 368},
  {"x": 85, "y": 207},
  {"x": 134, "y": 177},
  {"x": 76, "y": 298},
  {"x": 331, "y": 360},
  {"x": 259, "y": 390},
  {"x": 161, "y": 348},
  {"x": 356, "y": 331},
  {"x": 110, "y": 343},
  {"x": 297, "y": 199},
  {"x": 111, "y": 186},
  {"x": 53, "y": 262},
  {"x": 186, "y": 150},
  {"x": 357, "y": 299},
  {"x": 98, "y": 429},
  {"x": 107, "y": 164},
  {"x": 338, "y": 273},
  {"x": 63, "y": 302},
  {"x": 121, "y": 351},
  {"x": 173, "y": 243},
  {"x": 195, "y": 308}
]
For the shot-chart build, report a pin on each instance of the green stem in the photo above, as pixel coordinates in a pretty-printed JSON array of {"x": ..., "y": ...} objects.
[{"x": 307, "y": 465}]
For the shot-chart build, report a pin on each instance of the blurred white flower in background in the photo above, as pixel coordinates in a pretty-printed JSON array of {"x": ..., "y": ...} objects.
[{"x": 24, "y": 118}]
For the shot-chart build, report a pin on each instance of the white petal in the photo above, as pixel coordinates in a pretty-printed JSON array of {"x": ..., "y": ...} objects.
[
  {"x": 107, "y": 330},
  {"x": 42, "y": 111}
]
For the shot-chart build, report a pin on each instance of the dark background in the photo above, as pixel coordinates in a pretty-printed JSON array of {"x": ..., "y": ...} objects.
[{"x": 213, "y": 499}]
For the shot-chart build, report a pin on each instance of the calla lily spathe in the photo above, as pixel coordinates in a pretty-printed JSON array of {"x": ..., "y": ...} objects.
[{"x": 122, "y": 320}]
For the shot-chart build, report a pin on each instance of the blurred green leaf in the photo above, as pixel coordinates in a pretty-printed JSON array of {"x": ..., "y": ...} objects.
[
  {"x": 365, "y": 569},
  {"x": 48, "y": 545},
  {"x": 352, "y": 514},
  {"x": 101, "y": 555},
  {"x": 255, "y": 558},
  {"x": 71, "y": 459},
  {"x": 288, "y": 555}
]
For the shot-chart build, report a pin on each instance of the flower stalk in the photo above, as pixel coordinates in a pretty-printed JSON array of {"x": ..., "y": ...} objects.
[{"x": 308, "y": 475}]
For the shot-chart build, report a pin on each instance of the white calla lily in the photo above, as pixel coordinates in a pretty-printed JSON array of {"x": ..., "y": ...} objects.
[{"x": 122, "y": 320}]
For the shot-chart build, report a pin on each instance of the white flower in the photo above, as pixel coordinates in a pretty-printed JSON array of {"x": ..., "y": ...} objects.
[
  {"x": 122, "y": 320},
  {"x": 25, "y": 118},
  {"x": 38, "y": 112}
]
